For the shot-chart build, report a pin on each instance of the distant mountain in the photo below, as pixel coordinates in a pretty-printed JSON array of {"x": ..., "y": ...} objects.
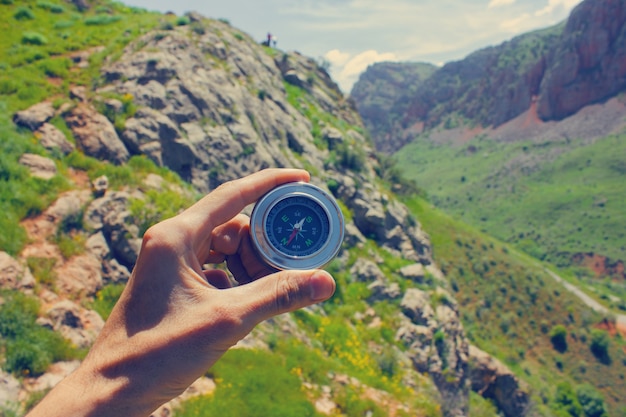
[
  {"x": 381, "y": 94},
  {"x": 555, "y": 72}
]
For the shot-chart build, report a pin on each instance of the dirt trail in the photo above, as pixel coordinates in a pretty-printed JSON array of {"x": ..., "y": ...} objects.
[{"x": 620, "y": 319}]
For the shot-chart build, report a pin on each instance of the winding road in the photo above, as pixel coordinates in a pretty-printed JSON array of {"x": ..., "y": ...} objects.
[{"x": 620, "y": 319}]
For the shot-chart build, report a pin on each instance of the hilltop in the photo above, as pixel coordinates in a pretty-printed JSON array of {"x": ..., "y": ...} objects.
[{"x": 115, "y": 118}]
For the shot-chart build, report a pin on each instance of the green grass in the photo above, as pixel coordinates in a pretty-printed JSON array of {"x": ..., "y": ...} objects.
[
  {"x": 28, "y": 348},
  {"x": 551, "y": 199},
  {"x": 509, "y": 305}
]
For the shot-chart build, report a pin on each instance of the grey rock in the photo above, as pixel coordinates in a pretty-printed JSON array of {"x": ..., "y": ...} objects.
[
  {"x": 13, "y": 275},
  {"x": 365, "y": 270},
  {"x": 493, "y": 380},
  {"x": 9, "y": 391},
  {"x": 416, "y": 306},
  {"x": 39, "y": 166},
  {"x": 100, "y": 186},
  {"x": 51, "y": 137},
  {"x": 34, "y": 116},
  {"x": 414, "y": 272},
  {"x": 384, "y": 291},
  {"x": 95, "y": 134}
]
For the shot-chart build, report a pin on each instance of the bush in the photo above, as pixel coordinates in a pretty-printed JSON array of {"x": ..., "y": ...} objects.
[
  {"x": 29, "y": 347},
  {"x": 566, "y": 399},
  {"x": 101, "y": 19},
  {"x": 558, "y": 337},
  {"x": 600, "y": 344},
  {"x": 591, "y": 401},
  {"x": 106, "y": 299},
  {"x": 23, "y": 13},
  {"x": 51, "y": 7},
  {"x": 34, "y": 38}
]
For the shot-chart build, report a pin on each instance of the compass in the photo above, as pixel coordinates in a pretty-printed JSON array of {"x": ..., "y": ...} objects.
[{"x": 297, "y": 226}]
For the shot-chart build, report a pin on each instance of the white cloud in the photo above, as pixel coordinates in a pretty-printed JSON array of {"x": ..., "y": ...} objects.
[
  {"x": 346, "y": 68},
  {"x": 499, "y": 3},
  {"x": 556, "y": 5}
]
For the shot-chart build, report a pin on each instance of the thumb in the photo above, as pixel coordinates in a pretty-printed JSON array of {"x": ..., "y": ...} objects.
[{"x": 287, "y": 291}]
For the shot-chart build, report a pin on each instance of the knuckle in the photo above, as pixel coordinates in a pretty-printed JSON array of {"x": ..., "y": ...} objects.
[{"x": 287, "y": 294}]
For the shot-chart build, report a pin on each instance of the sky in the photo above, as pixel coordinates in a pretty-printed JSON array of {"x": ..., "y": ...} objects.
[{"x": 352, "y": 34}]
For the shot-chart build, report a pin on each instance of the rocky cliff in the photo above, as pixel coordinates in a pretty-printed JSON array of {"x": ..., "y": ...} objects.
[
  {"x": 205, "y": 101},
  {"x": 553, "y": 72}
]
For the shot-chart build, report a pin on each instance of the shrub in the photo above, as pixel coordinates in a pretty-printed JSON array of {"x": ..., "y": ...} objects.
[
  {"x": 29, "y": 347},
  {"x": 600, "y": 344},
  {"x": 182, "y": 21},
  {"x": 566, "y": 399},
  {"x": 42, "y": 269},
  {"x": 51, "y": 7},
  {"x": 34, "y": 38},
  {"x": 591, "y": 401},
  {"x": 23, "y": 13},
  {"x": 558, "y": 337},
  {"x": 106, "y": 299},
  {"x": 101, "y": 19}
]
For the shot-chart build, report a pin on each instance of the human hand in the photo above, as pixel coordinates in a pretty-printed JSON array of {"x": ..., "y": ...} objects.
[{"x": 174, "y": 319}]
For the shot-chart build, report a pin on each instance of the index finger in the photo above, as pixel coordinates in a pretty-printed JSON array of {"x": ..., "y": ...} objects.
[{"x": 230, "y": 198}]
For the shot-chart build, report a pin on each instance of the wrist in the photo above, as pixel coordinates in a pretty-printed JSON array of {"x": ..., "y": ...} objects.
[{"x": 85, "y": 393}]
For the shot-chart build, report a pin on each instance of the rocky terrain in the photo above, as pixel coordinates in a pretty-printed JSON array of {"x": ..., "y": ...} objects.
[
  {"x": 548, "y": 75},
  {"x": 208, "y": 103}
]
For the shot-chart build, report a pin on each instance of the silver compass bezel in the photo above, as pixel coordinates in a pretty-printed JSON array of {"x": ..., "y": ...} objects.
[{"x": 280, "y": 260}]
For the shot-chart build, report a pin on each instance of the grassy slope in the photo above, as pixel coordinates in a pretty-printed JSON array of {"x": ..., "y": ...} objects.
[
  {"x": 509, "y": 307},
  {"x": 551, "y": 199}
]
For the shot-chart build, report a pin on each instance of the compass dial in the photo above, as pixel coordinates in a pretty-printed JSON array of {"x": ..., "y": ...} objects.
[{"x": 297, "y": 226}]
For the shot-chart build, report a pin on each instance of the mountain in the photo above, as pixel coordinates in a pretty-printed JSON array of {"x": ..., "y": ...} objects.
[
  {"x": 524, "y": 141},
  {"x": 551, "y": 73},
  {"x": 378, "y": 92},
  {"x": 114, "y": 118}
]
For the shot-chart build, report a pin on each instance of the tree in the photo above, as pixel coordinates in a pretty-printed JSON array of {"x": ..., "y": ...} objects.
[
  {"x": 591, "y": 401},
  {"x": 558, "y": 337},
  {"x": 600, "y": 344}
]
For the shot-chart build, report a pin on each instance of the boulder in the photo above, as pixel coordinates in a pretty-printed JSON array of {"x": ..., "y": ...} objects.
[
  {"x": 9, "y": 391},
  {"x": 80, "y": 276},
  {"x": 493, "y": 380},
  {"x": 95, "y": 134},
  {"x": 51, "y": 138},
  {"x": 75, "y": 323},
  {"x": 384, "y": 291},
  {"x": 100, "y": 186},
  {"x": 39, "y": 166},
  {"x": 13, "y": 275},
  {"x": 365, "y": 270},
  {"x": 414, "y": 272},
  {"x": 34, "y": 116},
  {"x": 416, "y": 306}
]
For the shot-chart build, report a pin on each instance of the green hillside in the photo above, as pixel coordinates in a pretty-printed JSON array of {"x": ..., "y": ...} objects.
[
  {"x": 512, "y": 309},
  {"x": 552, "y": 199}
]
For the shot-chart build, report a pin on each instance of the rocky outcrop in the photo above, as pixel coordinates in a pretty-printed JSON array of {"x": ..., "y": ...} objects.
[
  {"x": 553, "y": 72},
  {"x": 95, "y": 134},
  {"x": 35, "y": 116},
  {"x": 52, "y": 138},
  {"x": 39, "y": 166},
  {"x": 491, "y": 379},
  {"x": 436, "y": 344},
  {"x": 14, "y": 275}
]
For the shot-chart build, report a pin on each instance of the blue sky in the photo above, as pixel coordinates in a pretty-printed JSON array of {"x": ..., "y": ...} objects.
[{"x": 352, "y": 34}]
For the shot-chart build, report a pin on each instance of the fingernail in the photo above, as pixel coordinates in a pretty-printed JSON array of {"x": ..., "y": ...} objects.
[{"x": 322, "y": 286}]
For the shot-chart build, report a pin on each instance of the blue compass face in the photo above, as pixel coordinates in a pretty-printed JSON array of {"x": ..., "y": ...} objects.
[{"x": 297, "y": 226}]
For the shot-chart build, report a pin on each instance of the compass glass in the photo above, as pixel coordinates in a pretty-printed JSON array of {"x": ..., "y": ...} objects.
[{"x": 297, "y": 226}]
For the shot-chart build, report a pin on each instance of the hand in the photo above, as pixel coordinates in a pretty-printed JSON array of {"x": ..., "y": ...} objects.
[{"x": 174, "y": 319}]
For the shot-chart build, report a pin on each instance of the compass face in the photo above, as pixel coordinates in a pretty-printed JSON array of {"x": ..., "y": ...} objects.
[{"x": 297, "y": 226}]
